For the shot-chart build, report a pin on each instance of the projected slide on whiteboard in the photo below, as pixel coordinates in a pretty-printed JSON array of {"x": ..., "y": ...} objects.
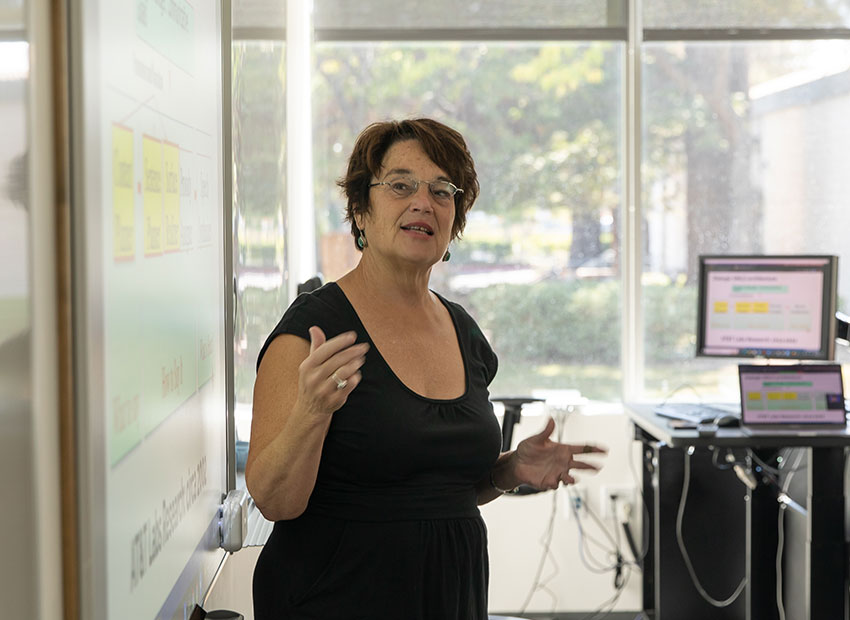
[{"x": 154, "y": 294}]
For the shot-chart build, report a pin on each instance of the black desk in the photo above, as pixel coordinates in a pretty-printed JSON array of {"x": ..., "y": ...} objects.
[{"x": 731, "y": 531}]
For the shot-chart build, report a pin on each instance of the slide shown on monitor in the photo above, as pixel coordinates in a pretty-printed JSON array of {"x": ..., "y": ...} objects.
[
  {"x": 772, "y": 307},
  {"x": 764, "y": 309}
]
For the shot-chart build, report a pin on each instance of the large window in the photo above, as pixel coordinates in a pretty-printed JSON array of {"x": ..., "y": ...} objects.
[
  {"x": 744, "y": 144},
  {"x": 259, "y": 211},
  {"x": 741, "y": 146},
  {"x": 538, "y": 263}
]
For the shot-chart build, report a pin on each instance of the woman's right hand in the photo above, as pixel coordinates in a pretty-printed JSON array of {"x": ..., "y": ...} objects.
[{"x": 330, "y": 372}]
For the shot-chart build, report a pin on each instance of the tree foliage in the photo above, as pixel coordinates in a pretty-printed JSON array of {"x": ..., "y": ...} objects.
[{"x": 542, "y": 121}]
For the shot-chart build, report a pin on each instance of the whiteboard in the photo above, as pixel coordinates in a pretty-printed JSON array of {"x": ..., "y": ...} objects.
[{"x": 148, "y": 212}]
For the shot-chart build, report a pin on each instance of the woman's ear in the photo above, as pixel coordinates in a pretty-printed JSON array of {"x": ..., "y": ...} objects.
[{"x": 359, "y": 217}]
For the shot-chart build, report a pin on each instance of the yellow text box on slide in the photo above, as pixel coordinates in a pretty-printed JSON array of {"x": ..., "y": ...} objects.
[
  {"x": 152, "y": 194},
  {"x": 123, "y": 224},
  {"x": 171, "y": 197}
]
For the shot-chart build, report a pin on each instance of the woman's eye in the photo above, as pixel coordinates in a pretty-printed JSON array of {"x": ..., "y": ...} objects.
[{"x": 401, "y": 187}]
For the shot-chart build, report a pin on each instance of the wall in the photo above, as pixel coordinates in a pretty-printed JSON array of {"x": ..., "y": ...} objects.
[{"x": 804, "y": 140}]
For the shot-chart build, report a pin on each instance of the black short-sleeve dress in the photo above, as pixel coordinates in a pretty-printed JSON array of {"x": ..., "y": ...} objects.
[{"x": 392, "y": 529}]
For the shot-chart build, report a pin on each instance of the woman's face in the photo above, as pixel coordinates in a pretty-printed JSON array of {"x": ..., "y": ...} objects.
[{"x": 416, "y": 228}]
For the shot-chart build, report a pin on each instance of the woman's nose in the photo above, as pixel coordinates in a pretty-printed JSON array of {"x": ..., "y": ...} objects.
[{"x": 421, "y": 198}]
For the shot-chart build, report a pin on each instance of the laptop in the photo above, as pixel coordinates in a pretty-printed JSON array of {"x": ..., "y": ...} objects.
[{"x": 797, "y": 398}]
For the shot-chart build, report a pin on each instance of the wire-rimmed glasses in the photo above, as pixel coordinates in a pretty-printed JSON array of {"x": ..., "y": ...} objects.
[{"x": 403, "y": 186}]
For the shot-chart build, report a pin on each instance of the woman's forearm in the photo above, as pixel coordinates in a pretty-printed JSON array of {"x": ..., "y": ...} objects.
[{"x": 281, "y": 477}]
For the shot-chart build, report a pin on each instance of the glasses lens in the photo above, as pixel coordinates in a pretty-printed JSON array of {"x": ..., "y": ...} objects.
[
  {"x": 403, "y": 186},
  {"x": 442, "y": 190}
]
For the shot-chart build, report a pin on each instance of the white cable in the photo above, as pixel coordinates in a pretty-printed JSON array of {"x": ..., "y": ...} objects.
[
  {"x": 610, "y": 603},
  {"x": 762, "y": 464},
  {"x": 780, "y": 543},
  {"x": 600, "y": 569},
  {"x": 546, "y": 539},
  {"x": 644, "y": 520},
  {"x": 603, "y": 527},
  {"x": 787, "y": 482},
  {"x": 682, "y": 386},
  {"x": 679, "y": 539},
  {"x": 600, "y": 545}
]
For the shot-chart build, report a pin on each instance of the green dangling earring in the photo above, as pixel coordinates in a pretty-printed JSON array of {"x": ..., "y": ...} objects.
[
  {"x": 447, "y": 256},
  {"x": 361, "y": 240}
]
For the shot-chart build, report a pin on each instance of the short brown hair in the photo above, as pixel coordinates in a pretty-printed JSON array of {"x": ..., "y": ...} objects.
[{"x": 443, "y": 145}]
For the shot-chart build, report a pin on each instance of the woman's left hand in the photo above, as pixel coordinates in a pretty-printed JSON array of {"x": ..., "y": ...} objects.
[{"x": 545, "y": 464}]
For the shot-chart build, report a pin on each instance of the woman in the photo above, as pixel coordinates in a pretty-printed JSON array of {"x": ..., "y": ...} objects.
[{"x": 373, "y": 440}]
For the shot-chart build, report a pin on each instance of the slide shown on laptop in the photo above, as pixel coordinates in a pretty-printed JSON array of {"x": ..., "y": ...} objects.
[{"x": 792, "y": 396}]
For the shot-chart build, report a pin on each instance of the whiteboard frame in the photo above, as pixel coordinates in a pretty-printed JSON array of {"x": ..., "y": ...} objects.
[{"x": 227, "y": 226}]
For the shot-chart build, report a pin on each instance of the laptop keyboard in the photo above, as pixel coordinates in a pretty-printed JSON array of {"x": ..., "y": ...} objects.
[{"x": 696, "y": 412}]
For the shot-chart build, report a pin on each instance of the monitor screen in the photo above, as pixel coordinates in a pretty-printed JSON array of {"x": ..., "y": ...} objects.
[{"x": 767, "y": 306}]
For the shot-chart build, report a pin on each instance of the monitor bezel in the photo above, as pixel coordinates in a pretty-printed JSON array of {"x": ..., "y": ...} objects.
[{"x": 828, "y": 307}]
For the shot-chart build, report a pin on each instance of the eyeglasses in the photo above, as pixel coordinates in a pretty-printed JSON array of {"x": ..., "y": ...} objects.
[{"x": 442, "y": 191}]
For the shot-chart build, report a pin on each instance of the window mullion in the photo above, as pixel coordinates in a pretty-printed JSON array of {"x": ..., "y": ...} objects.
[
  {"x": 300, "y": 212},
  {"x": 632, "y": 336}
]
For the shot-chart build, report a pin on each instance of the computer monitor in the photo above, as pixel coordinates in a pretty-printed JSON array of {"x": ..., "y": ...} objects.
[{"x": 779, "y": 307}]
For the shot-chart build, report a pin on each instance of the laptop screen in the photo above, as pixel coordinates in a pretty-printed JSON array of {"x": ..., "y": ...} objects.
[{"x": 798, "y": 394}]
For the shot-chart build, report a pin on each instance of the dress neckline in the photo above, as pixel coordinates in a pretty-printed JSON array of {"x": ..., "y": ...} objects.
[{"x": 374, "y": 347}]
